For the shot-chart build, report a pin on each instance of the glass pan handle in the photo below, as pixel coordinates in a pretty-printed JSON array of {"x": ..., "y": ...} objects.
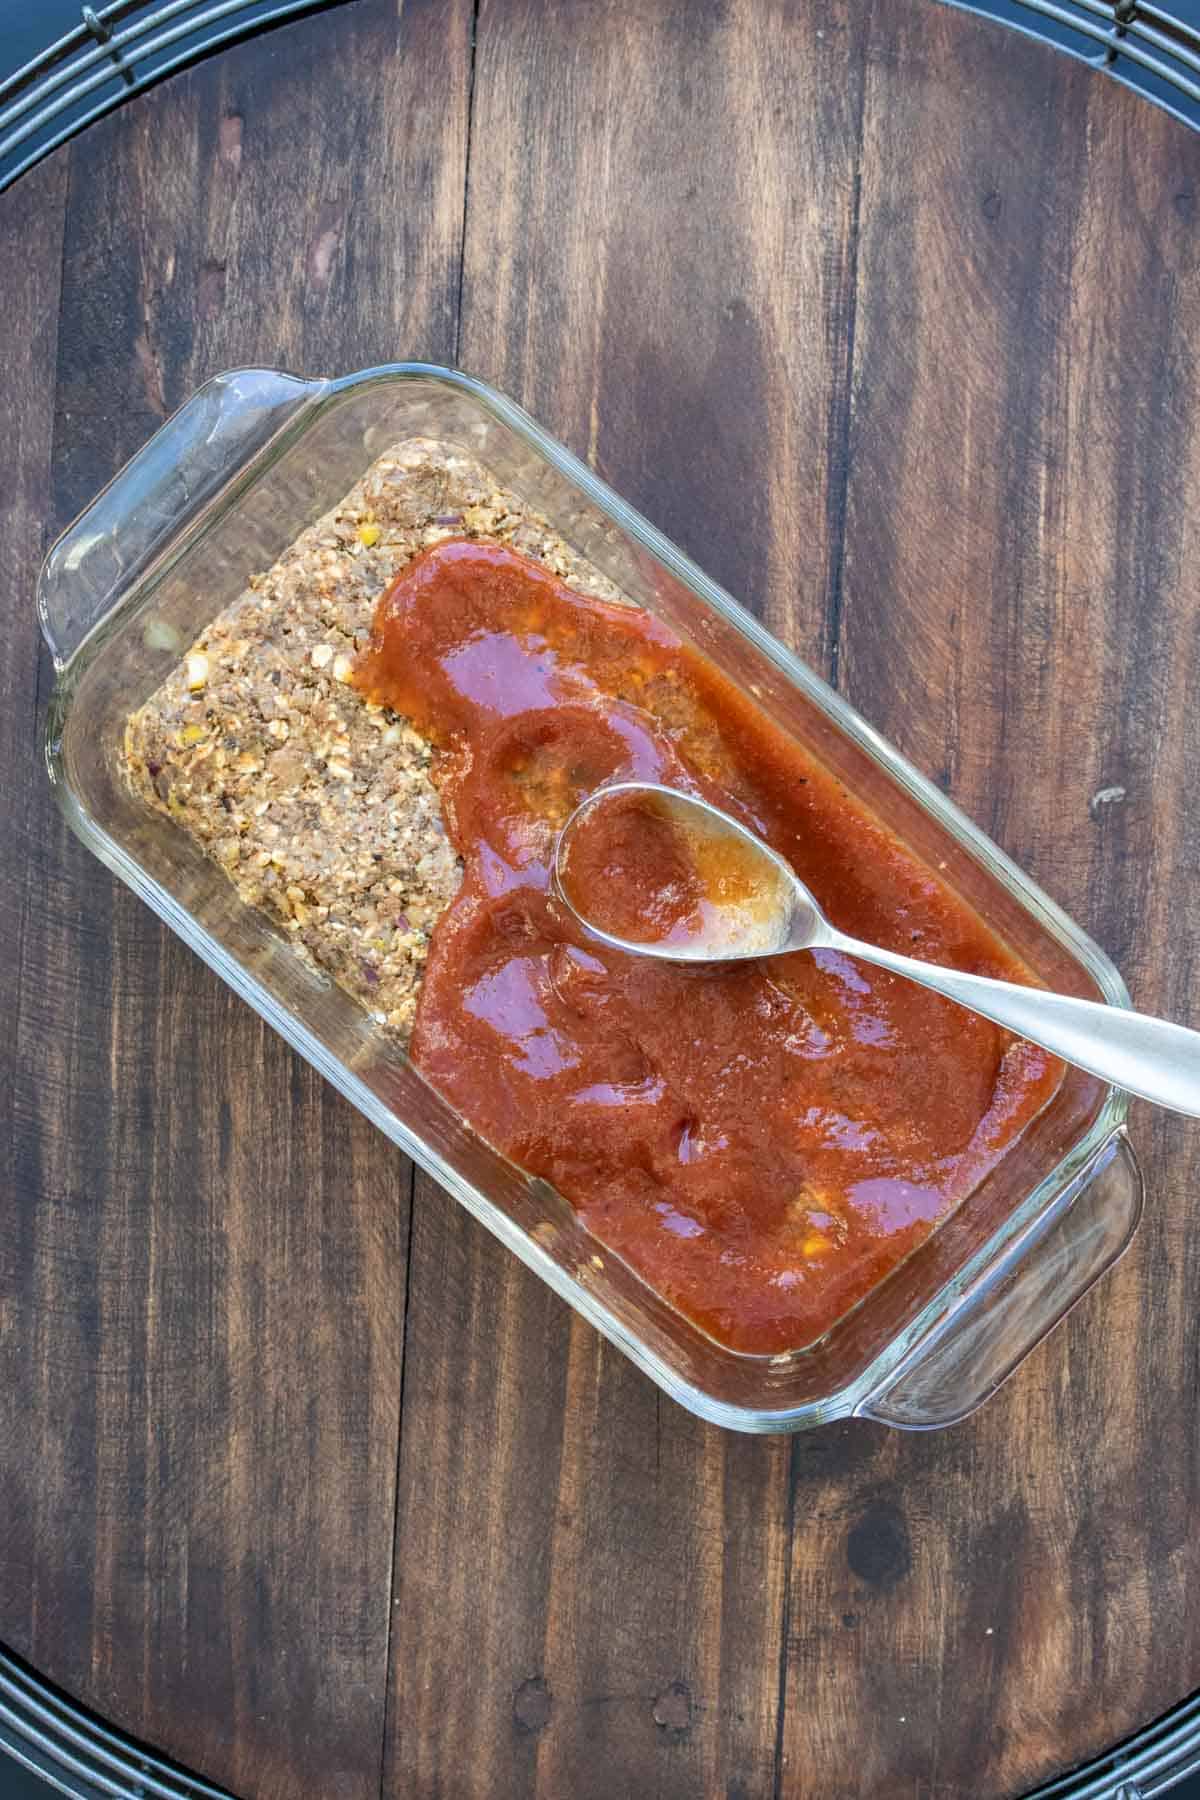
[
  {"x": 161, "y": 493},
  {"x": 1012, "y": 1305}
]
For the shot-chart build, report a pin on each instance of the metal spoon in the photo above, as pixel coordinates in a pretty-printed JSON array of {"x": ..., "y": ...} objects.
[{"x": 775, "y": 914}]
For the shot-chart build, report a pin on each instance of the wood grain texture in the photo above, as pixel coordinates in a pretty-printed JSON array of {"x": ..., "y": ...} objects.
[
  {"x": 888, "y": 317},
  {"x": 813, "y": 300},
  {"x": 203, "y": 1294},
  {"x": 31, "y": 236},
  {"x": 1019, "y": 614}
]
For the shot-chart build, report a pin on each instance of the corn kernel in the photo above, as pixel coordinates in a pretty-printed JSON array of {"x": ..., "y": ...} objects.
[
  {"x": 158, "y": 635},
  {"x": 368, "y": 535},
  {"x": 342, "y": 666},
  {"x": 197, "y": 672},
  {"x": 191, "y": 734}
]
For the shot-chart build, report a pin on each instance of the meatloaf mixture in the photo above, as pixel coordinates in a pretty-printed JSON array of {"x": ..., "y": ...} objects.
[{"x": 318, "y": 804}]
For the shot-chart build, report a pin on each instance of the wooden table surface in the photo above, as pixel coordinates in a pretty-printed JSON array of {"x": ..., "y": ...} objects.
[{"x": 887, "y": 316}]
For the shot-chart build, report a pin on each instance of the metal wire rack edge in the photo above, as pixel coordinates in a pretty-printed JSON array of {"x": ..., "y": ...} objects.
[{"x": 49, "y": 99}]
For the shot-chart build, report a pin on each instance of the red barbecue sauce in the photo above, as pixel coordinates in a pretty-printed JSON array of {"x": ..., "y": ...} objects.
[{"x": 762, "y": 1141}]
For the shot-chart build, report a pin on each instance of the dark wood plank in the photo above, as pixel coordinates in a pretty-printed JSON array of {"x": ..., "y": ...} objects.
[
  {"x": 1000, "y": 1601},
  {"x": 202, "y": 1289},
  {"x": 32, "y": 218},
  {"x": 658, "y": 264},
  {"x": 31, "y": 239}
]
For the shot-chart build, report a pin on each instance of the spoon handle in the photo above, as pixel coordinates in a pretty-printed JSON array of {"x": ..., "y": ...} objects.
[{"x": 1145, "y": 1056}]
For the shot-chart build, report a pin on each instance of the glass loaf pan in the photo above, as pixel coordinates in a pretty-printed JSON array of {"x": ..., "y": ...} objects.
[{"x": 215, "y": 496}]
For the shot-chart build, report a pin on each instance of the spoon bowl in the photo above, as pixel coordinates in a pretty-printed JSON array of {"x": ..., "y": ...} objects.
[{"x": 688, "y": 882}]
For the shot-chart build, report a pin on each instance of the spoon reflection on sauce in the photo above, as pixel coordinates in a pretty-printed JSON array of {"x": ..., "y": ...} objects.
[{"x": 655, "y": 872}]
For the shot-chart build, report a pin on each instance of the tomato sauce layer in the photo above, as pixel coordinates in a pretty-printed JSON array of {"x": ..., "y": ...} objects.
[{"x": 762, "y": 1141}]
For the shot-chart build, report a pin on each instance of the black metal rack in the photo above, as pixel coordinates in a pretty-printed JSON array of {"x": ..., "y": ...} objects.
[
  {"x": 115, "y": 51},
  {"x": 119, "y": 49},
  {"x": 1142, "y": 46},
  {"x": 75, "y": 1753}
]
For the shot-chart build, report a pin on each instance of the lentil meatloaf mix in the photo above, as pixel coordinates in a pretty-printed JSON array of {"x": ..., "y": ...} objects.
[{"x": 317, "y": 803}]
